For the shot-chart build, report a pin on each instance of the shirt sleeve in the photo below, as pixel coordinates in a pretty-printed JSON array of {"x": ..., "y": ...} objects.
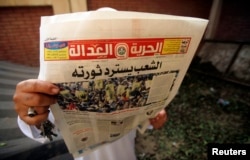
[{"x": 32, "y": 131}]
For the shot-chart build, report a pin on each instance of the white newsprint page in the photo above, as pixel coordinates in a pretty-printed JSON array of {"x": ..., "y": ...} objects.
[{"x": 115, "y": 69}]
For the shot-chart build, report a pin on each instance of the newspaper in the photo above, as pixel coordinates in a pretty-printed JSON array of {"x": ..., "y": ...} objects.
[{"x": 115, "y": 69}]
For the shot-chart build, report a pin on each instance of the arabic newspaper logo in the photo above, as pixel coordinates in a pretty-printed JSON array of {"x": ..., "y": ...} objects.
[
  {"x": 115, "y": 48},
  {"x": 121, "y": 50}
]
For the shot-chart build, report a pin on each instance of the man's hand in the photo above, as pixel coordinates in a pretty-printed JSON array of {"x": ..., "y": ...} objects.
[
  {"x": 37, "y": 94},
  {"x": 159, "y": 120}
]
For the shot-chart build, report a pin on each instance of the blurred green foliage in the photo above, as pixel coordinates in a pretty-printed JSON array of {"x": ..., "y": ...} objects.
[{"x": 206, "y": 110}]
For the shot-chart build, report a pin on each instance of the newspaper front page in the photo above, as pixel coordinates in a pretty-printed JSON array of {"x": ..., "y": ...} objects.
[{"x": 115, "y": 69}]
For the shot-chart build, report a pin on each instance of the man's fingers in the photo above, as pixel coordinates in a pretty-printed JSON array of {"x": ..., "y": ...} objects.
[
  {"x": 39, "y": 86},
  {"x": 36, "y": 120},
  {"x": 38, "y": 110},
  {"x": 41, "y": 114},
  {"x": 37, "y": 94},
  {"x": 162, "y": 115},
  {"x": 34, "y": 99},
  {"x": 159, "y": 120}
]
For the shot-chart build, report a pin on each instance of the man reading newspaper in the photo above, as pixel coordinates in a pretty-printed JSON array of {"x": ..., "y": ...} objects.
[{"x": 112, "y": 74}]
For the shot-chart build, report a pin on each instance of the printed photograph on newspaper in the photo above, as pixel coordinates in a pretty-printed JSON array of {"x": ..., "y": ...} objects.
[{"x": 115, "y": 70}]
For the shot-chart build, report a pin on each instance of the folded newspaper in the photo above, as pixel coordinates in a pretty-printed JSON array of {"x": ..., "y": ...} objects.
[{"x": 115, "y": 70}]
